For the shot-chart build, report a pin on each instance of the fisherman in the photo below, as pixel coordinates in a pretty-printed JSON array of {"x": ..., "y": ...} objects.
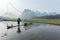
[{"x": 18, "y": 20}]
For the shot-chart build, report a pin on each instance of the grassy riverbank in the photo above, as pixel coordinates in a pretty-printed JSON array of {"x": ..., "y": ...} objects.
[{"x": 51, "y": 21}]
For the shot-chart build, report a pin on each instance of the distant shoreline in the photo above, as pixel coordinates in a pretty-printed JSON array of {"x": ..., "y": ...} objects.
[{"x": 47, "y": 21}]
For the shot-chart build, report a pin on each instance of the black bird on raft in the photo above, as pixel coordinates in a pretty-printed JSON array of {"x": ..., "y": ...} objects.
[{"x": 8, "y": 27}]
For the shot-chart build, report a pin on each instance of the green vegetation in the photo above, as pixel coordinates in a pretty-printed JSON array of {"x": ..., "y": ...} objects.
[
  {"x": 11, "y": 20},
  {"x": 52, "y": 21}
]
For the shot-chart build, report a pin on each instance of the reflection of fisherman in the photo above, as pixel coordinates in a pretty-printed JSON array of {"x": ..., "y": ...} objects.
[
  {"x": 18, "y": 20},
  {"x": 18, "y": 29}
]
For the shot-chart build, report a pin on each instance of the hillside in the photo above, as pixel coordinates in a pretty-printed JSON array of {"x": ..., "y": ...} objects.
[{"x": 57, "y": 16}]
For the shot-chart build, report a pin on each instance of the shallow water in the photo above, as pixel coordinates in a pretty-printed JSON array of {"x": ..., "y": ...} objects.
[{"x": 34, "y": 31}]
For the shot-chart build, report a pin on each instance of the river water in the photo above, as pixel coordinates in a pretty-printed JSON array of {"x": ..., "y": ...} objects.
[{"x": 34, "y": 31}]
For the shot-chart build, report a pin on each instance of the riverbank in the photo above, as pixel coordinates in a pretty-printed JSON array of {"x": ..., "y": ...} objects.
[{"x": 48, "y": 21}]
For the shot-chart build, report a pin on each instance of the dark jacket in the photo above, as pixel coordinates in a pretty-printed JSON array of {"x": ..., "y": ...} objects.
[{"x": 18, "y": 20}]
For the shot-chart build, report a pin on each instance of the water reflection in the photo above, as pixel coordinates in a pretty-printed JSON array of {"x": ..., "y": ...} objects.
[
  {"x": 36, "y": 31},
  {"x": 18, "y": 31},
  {"x": 25, "y": 26},
  {"x": 3, "y": 35}
]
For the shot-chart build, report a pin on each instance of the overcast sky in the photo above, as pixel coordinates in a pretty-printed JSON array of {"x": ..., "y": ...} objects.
[{"x": 40, "y": 5}]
